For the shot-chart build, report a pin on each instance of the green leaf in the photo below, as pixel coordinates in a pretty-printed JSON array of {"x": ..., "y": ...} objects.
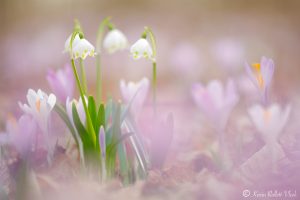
[
  {"x": 80, "y": 128},
  {"x": 101, "y": 117},
  {"x": 63, "y": 115},
  {"x": 93, "y": 112}
]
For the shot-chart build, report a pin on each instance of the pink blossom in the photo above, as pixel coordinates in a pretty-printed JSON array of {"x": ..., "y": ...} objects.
[
  {"x": 61, "y": 82},
  {"x": 135, "y": 92},
  {"x": 216, "y": 101}
]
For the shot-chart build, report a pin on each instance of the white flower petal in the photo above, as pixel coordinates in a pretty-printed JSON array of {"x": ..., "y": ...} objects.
[
  {"x": 115, "y": 40},
  {"x": 141, "y": 48},
  {"x": 51, "y": 100}
]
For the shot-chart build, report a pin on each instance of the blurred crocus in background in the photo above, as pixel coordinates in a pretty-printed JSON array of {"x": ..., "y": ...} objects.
[
  {"x": 270, "y": 122},
  {"x": 135, "y": 92},
  {"x": 229, "y": 53},
  {"x": 61, "y": 82},
  {"x": 21, "y": 134},
  {"x": 216, "y": 101},
  {"x": 261, "y": 75}
]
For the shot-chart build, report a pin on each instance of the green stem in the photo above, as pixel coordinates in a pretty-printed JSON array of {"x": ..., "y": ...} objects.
[
  {"x": 154, "y": 83},
  {"x": 89, "y": 120},
  {"x": 83, "y": 76},
  {"x": 99, "y": 79}
]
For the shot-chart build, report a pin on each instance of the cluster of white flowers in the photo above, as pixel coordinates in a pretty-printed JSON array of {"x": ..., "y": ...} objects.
[{"x": 114, "y": 41}]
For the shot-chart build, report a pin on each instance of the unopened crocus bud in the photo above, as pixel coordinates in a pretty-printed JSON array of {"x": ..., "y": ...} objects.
[
  {"x": 261, "y": 75},
  {"x": 102, "y": 142}
]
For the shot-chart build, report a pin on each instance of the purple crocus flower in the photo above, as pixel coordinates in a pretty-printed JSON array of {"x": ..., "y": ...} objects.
[
  {"x": 61, "y": 82},
  {"x": 135, "y": 92},
  {"x": 102, "y": 142},
  {"x": 20, "y": 134},
  {"x": 261, "y": 75},
  {"x": 216, "y": 101}
]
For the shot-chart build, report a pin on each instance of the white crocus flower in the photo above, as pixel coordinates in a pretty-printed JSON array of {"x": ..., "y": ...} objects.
[
  {"x": 115, "y": 40},
  {"x": 135, "y": 92},
  {"x": 67, "y": 43},
  {"x": 39, "y": 106},
  {"x": 79, "y": 107},
  {"x": 269, "y": 121},
  {"x": 141, "y": 48}
]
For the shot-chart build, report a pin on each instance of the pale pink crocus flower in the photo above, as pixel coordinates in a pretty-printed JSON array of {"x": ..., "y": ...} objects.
[
  {"x": 217, "y": 104},
  {"x": 61, "y": 82},
  {"x": 40, "y": 106},
  {"x": 261, "y": 75},
  {"x": 216, "y": 101},
  {"x": 135, "y": 93},
  {"x": 21, "y": 134},
  {"x": 270, "y": 121}
]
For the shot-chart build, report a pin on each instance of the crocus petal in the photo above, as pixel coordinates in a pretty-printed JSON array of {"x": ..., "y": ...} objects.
[
  {"x": 256, "y": 113},
  {"x": 51, "y": 101},
  {"x": 216, "y": 92},
  {"x": 267, "y": 71},
  {"x": 135, "y": 93},
  {"x": 269, "y": 121},
  {"x": 285, "y": 116},
  {"x": 61, "y": 82},
  {"x": 102, "y": 141},
  {"x": 251, "y": 74}
]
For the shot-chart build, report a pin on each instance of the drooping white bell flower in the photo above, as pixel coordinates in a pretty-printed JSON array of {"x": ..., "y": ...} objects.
[
  {"x": 115, "y": 40},
  {"x": 141, "y": 48},
  {"x": 138, "y": 91},
  {"x": 82, "y": 49},
  {"x": 269, "y": 121},
  {"x": 39, "y": 106},
  {"x": 67, "y": 43}
]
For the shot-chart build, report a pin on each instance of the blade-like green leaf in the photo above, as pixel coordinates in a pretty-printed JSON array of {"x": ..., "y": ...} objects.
[
  {"x": 101, "y": 117},
  {"x": 93, "y": 111},
  {"x": 80, "y": 128},
  {"x": 63, "y": 115}
]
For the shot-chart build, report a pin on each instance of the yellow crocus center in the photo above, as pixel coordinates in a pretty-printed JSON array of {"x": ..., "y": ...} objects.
[
  {"x": 259, "y": 78},
  {"x": 38, "y": 105}
]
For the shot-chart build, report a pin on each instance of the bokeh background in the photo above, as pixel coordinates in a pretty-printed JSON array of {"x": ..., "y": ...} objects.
[{"x": 198, "y": 40}]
